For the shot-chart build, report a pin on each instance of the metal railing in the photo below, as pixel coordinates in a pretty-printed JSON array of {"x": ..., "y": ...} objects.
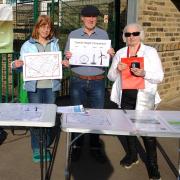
[
  {"x": 11, "y": 80},
  {"x": 11, "y": 83}
]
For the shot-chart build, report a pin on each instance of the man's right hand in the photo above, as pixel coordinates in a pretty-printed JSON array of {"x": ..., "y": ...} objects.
[{"x": 68, "y": 55}]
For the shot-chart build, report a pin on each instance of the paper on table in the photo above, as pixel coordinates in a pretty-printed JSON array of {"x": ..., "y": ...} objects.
[
  {"x": 172, "y": 119},
  {"x": 71, "y": 109},
  {"x": 97, "y": 118},
  {"x": 27, "y": 112},
  {"x": 175, "y": 124},
  {"x": 148, "y": 121}
]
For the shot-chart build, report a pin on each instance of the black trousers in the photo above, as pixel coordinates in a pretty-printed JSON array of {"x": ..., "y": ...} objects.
[{"x": 128, "y": 102}]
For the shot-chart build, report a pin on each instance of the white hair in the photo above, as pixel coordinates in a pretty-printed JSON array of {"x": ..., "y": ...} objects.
[{"x": 138, "y": 26}]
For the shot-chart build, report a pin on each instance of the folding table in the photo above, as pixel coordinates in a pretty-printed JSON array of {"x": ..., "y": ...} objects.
[
  {"x": 30, "y": 115},
  {"x": 119, "y": 122}
]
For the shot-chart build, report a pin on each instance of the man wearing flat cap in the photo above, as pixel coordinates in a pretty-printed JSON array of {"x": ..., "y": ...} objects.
[
  {"x": 89, "y": 11},
  {"x": 87, "y": 84}
]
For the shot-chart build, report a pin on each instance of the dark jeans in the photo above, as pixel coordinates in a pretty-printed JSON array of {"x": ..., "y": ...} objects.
[
  {"x": 90, "y": 93},
  {"x": 44, "y": 96}
]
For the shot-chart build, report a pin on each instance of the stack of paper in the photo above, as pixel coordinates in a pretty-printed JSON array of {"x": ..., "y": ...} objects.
[{"x": 71, "y": 109}]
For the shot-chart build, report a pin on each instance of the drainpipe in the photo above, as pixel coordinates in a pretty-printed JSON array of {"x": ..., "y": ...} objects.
[
  {"x": 132, "y": 15},
  {"x": 117, "y": 24}
]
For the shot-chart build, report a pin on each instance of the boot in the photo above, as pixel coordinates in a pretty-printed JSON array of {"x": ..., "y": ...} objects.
[
  {"x": 131, "y": 157},
  {"x": 152, "y": 166},
  {"x": 3, "y": 135}
]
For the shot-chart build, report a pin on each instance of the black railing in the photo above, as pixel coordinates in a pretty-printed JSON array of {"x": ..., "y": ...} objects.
[{"x": 11, "y": 83}]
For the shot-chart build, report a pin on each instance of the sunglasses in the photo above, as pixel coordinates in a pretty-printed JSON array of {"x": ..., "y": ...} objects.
[{"x": 128, "y": 34}]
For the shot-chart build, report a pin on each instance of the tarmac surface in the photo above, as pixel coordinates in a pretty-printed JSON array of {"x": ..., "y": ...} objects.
[{"x": 16, "y": 158}]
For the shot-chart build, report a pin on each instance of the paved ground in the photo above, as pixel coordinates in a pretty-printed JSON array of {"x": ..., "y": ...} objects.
[{"x": 16, "y": 161}]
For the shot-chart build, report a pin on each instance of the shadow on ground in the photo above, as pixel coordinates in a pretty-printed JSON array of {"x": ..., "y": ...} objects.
[{"x": 88, "y": 168}]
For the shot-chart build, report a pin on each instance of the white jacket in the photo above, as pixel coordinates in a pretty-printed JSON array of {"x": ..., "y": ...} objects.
[{"x": 154, "y": 75}]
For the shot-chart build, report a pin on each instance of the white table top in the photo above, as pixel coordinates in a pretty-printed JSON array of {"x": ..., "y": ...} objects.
[
  {"x": 31, "y": 115},
  {"x": 118, "y": 122}
]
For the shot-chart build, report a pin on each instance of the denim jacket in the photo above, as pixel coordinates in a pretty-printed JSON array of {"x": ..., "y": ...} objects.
[{"x": 30, "y": 47}]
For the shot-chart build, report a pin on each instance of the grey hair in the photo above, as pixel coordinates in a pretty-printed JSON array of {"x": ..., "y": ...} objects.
[{"x": 138, "y": 26}]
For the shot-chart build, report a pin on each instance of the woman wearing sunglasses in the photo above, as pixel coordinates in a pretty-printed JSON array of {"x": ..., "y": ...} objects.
[{"x": 137, "y": 99}]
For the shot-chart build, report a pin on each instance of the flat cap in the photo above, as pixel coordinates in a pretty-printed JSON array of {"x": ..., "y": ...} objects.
[{"x": 90, "y": 10}]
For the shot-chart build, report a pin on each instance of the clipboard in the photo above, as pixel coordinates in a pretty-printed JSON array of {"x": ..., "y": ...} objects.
[{"x": 129, "y": 81}]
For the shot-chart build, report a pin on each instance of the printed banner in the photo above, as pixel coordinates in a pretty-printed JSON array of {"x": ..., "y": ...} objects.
[{"x": 6, "y": 28}]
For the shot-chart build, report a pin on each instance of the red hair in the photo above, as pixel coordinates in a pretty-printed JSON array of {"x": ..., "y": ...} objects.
[{"x": 41, "y": 21}]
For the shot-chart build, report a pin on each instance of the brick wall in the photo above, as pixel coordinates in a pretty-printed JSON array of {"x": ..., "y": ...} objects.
[{"x": 161, "y": 22}]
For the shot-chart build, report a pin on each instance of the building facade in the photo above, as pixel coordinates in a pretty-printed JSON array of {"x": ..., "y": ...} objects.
[{"x": 161, "y": 22}]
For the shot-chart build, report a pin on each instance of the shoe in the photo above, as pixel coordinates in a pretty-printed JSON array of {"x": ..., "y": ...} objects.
[
  {"x": 99, "y": 155},
  {"x": 154, "y": 173},
  {"x": 75, "y": 154},
  {"x": 3, "y": 136},
  {"x": 36, "y": 156},
  {"x": 127, "y": 162}
]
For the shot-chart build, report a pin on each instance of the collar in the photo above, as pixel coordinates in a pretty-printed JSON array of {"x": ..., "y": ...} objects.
[
  {"x": 137, "y": 50},
  {"x": 141, "y": 50},
  {"x": 33, "y": 41},
  {"x": 83, "y": 33}
]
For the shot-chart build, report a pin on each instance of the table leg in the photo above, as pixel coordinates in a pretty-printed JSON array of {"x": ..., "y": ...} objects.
[
  {"x": 169, "y": 162},
  {"x": 68, "y": 157},
  {"x": 51, "y": 163},
  {"x": 41, "y": 143},
  {"x": 179, "y": 161},
  {"x": 45, "y": 145}
]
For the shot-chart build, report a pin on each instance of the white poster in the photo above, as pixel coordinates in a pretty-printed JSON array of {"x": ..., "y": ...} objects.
[
  {"x": 88, "y": 52},
  {"x": 45, "y": 65}
]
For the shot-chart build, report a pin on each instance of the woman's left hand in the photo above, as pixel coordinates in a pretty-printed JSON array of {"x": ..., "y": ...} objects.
[{"x": 138, "y": 72}]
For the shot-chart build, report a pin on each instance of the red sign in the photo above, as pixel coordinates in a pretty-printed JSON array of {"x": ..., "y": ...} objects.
[{"x": 130, "y": 81}]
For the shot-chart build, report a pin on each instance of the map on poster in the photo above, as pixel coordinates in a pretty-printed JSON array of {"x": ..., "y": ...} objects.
[
  {"x": 39, "y": 66},
  {"x": 88, "y": 52}
]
